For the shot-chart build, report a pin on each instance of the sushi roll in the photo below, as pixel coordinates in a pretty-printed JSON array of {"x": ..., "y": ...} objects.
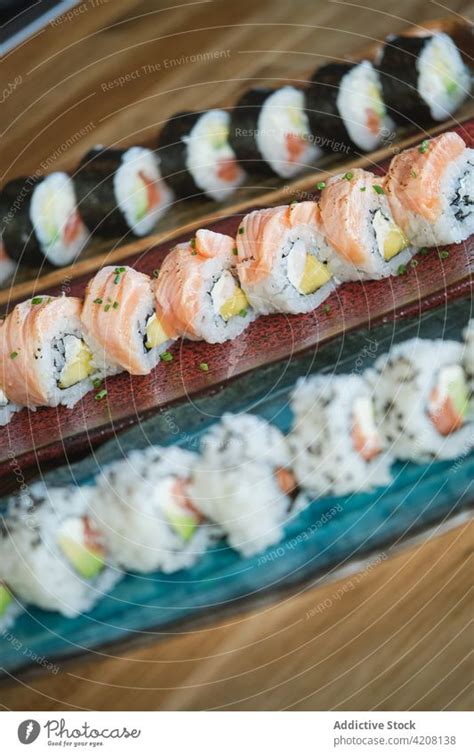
[
  {"x": 336, "y": 444},
  {"x": 421, "y": 400},
  {"x": 282, "y": 259},
  {"x": 44, "y": 360},
  {"x": 270, "y": 132},
  {"x": 120, "y": 323},
  {"x": 423, "y": 78},
  {"x": 196, "y": 155},
  {"x": 121, "y": 191},
  {"x": 360, "y": 228},
  {"x": 50, "y": 554},
  {"x": 198, "y": 294},
  {"x": 40, "y": 221},
  {"x": 243, "y": 482},
  {"x": 7, "y": 266},
  {"x": 143, "y": 507},
  {"x": 430, "y": 190},
  {"x": 9, "y": 608},
  {"x": 345, "y": 106}
]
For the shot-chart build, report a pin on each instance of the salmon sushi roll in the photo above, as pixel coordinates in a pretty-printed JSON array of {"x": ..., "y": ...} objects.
[
  {"x": 120, "y": 323},
  {"x": 243, "y": 481},
  {"x": 430, "y": 189},
  {"x": 336, "y": 444},
  {"x": 143, "y": 507},
  {"x": 198, "y": 294},
  {"x": 43, "y": 356},
  {"x": 284, "y": 260},
  {"x": 422, "y": 400},
  {"x": 360, "y": 228}
]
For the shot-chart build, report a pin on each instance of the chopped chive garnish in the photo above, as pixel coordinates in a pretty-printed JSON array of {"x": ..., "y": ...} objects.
[
  {"x": 321, "y": 185},
  {"x": 424, "y": 251},
  {"x": 378, "y": 189},
  {"x": 414, "y": 263},
  {"x": 327, "y": 309},
  {"x": 362, "y": 188},
  {"x": 156, "y": 272},
  {"x": 98, "y": 301},
  {"x": 97, "y": 382},
  {"x": 235, "y": 251},
  {"x": 204, "y": 367},
  {"x": 115, "y": 305},
  {"x": 348, "y": 176},
  {"x": 241, "y": 230},
  {"x": 193, "y": 254},
  {"x": 243, "y": 312},
  {"x": 413, "y": 173},
  {"x": 37, "y": 300},
  {"x": 102, "y": 394},
  {"x": 424, "y": 146},
  {"x": 118, "y": 272},
  {"x": 401, "y": 270},
  {"x": 107, "y": 307},
  {"x": 443, "y": 255},
  {"x": 166, "y": 357},
  {"x": 14, "y": 355},
  {"x": 192, "y": 243}
]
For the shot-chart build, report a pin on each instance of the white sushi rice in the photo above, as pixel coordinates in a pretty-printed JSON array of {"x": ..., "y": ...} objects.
[
  {"x": 279, "y": 291},
  {"x": 53, "y": 205},
  {"x": 7, "y": 409},
  {"x": 234, "y": 481},
  {"x": 444, "y": 80},
  {"x": 402, "y": 382},
  {"x": 455, "y": 221},
  {"x": 31, "y": 560},
  {"x": 130, "y": 190},
  {"x": 360, "y": 91},
  {"x": 208, "y": 148},
  {"x": 325, "y": 461},
  {"x": 283, "y": 113},
  {"x": 131, "y": 506},
  {"x": 468, "y": 359}
]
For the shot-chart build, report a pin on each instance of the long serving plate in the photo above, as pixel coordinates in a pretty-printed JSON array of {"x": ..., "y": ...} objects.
[
  {"x": 318, "y": 542},
  {"x": 264, "y": 190},
  {"x": 48, "y": 436}
]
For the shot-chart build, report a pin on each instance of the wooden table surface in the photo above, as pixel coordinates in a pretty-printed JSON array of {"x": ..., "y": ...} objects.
[{"x": 399, "y": 637}]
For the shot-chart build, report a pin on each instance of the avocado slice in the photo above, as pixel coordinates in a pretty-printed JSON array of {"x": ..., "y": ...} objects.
[
  {"x": 234, "y": 305},
  {"x": 88, "y": 560},
  {"x": 315, "y": 275},
  {"x": 77, "y": 362},
  {"x": 141, "y": 199},
  {"x": 182, "y": 523},
  {"x": 155, "y": 333},
  {"x": 5, "y": 599}
]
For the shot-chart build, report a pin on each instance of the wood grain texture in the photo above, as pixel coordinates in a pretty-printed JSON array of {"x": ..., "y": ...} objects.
[
  {"x": 393, "y": 636},
  {"x": 399, "y": 638}
]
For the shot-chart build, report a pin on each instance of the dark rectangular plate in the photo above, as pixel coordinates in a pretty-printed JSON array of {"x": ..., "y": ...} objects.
[{"x": 48, "y": 436}]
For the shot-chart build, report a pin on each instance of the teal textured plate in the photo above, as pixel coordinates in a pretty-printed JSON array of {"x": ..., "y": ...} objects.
[{"x": 327, "y": 535}]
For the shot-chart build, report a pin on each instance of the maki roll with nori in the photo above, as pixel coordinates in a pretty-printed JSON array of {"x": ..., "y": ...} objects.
[
  {"x": 121, "y": 191},
  {"x": 51, "y": 556},
  {"x": 40, "y": 221},
  {"x": 423, "y": 78},
  {"x": 270, "y": 132},
  {"x": 345, "y": 107},
  {"x": 196, "y": 156}
]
